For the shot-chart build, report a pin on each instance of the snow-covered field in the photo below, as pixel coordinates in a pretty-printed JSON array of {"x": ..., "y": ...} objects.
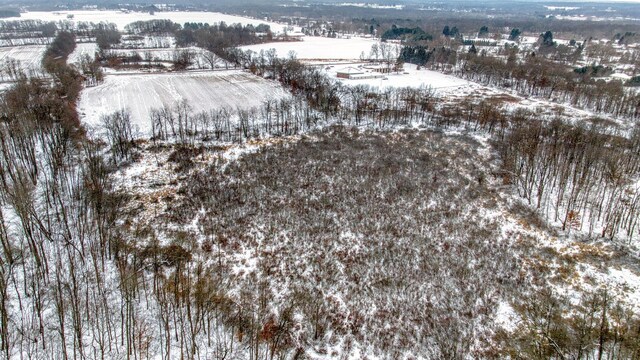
[
  {"x": 82, "y": 49},
  {"x": 9, "y": 41},
  {"x": 443, "y": 84},
  {"x": 30, "y": 56},
  {"x": 121, "y": 19},
  {"x": 139, "y": 93},
  {"x": 321, "y": 48},
  {"x": 4, "y": 87},
  {"x": 453, "y": 88}
]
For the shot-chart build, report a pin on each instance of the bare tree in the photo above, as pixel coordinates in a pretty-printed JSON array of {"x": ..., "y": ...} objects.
[{"x": 120, "y": 134}]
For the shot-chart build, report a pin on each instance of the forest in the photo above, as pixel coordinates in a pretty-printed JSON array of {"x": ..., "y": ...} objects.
[{"x": 372, "y": 222}]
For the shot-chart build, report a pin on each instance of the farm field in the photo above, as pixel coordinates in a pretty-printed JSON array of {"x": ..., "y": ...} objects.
[
  {"x": 29, "y": 57},
  {"x": 122, "y": 19},
  {"x": 320, "y": 48},
  {"x": 82, "y": 49},
  {"x": 139, "y": 93}
]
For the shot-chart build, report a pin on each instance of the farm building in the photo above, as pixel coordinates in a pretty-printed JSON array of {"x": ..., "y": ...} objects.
[
  {"x": 349, "y": 73},
  {"x": 357, "y": 74}
]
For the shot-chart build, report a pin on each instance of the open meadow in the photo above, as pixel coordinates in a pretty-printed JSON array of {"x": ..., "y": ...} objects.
[{"x": 203, "y": 91}]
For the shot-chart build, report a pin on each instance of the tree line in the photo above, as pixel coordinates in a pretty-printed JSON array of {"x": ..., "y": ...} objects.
[
  {"x": 580, "y": 176},
  {"x": 218, "y": 38},
  {"x": 533, "y": 76},
  {"x": 28, "y": 28},
  {"x": 598, "y": 327},
  {"x": 50, "y": 179}
]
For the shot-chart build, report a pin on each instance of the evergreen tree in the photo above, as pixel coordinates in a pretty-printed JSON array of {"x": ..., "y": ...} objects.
[
  {"x": 484, "y": 31},
  {"x": 547, "y": 39},
  {"x": 515, "y": 34}
]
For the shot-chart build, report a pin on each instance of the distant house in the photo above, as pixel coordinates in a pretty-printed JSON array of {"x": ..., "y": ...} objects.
[{"x": 349, "y": 73}]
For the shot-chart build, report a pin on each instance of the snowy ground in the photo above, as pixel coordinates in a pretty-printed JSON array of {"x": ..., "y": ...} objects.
[
  {"x": 30, "y": 56},
  {"x": 25, "y": 41},
  {"x": 4, "y": 87},
  {"x": 122, "y": 19},
  {"x": 452, "y": 89},
  {"x": 139, "y": 93},
  {"x": 410, "y": 77},
  {"x": 81, "y": 50},
  {"x": 321, "y": 48}
]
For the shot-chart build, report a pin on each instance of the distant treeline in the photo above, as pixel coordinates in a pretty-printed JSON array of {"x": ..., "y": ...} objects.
[
  {"x": 39, "y": 28},
  {"x": 401, "y": 33},
  {"x": 5, "y": 13},
  {"x": 28, "y": 28},
  {"x": 214, "y": 37},
  {"x": 152, "y": 27},
  {"x": 222, "y": 36}
]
